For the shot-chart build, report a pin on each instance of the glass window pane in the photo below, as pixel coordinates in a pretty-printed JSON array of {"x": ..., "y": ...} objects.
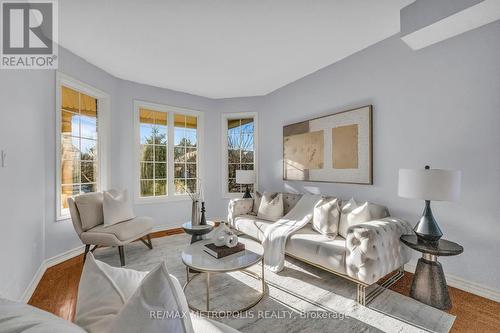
[
  {"x": 70, "y": 171},
  {"x": 88, "y": 149},
  {"x": 191, "y": 171},
  {"x": 179, "y": 154},
  {"x": 233, "y": 187},
  {"x": 190, "y": 136},
  {"x": 70, "y": 123},
  {"x": 232, "y": 170},
  {"x": 146, "y": 132},
  {"x": 233, "y": 156},
  {"x": 147, "y": 170},
  {"x": 191, "y": 155},
  {"x": 161, "y": 187},
  {"x": 89, "y": 172},
  {"x": 147, "y": 153},
  {"x": 179, "y": 171},
  {"x": 247, "y": 167},
  {"x": 180, "y": 186},
  {"x": 88, "y": 127},
  {"x": 160, "y": 134},
  {"x": 87, "y": 188},
  {"x": 70, "y": 148},
  {"x": 191, "y": 185},
  {"x": 160, "y": 153},
  {"x": 233, "y": 141},
  {"x": 147, "y": 188},
  {"x": 247, "y": 156},
  {"x": 68, "y": 191},
  {"x": 70, "y": 99},
  {"x": 160, "y": 170},
  {"x": 247, "y": 125},
  {"x": 179, "y": 137},
  {"x": 246, "y": 143}
]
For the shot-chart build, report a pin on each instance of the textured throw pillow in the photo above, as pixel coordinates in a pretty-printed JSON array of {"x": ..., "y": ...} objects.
[
  {"x": 102, "y": 292},
  {"x": 116, "y": 207},
  {"x": 271, "y": 206},
  {"x": 90, "y": 209},
  {"x": 360, "y": 214},
  {"x": 326, "y": 217},
  {"x": 256, "y": 202},
  {"x": 158, "y": 305},
  {"x": 346, "y": 208}
]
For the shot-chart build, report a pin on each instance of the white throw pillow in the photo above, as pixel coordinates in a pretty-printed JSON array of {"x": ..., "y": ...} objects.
[
  {"x": 357, "y": 215},
  {"x": 117, "y": 207},
  {"x": 326, "y": 217},
  {"x": 90, "y": 209},
  {"x": 344, "y": 212},
  {"x": 271, "y": 206},
  {"x": 158, "y": 305},
  {"x": 102, "y": 292},
  {"x": 256, "y": 202}
]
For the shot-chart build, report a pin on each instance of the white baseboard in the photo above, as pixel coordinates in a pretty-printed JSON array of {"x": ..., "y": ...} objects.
[
  {"x": 468, "y": 286},
  {"x": 47, "y": 263}
]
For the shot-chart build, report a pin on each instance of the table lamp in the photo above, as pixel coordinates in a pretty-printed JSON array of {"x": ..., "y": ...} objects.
[
  {"x": 429, "y": 184},
  {"x": 245, "y": 177}
]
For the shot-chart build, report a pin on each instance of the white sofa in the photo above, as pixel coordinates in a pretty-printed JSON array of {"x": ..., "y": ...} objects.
[{"x": 370, "y": 251}]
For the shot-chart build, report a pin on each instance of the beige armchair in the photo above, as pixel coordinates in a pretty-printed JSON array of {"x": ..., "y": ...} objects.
[{"x": 118, "y": 234}]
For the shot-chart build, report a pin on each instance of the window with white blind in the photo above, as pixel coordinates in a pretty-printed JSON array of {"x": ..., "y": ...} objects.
[
  {"x": 240, "y": 150},
  {"x": 168, "y": 151}
]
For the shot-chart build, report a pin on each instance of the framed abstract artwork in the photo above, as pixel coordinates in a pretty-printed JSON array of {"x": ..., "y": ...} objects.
[{"x": 335, "y": 148}]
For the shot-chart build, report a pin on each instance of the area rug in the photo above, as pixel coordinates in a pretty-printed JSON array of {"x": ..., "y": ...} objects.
[{"x": 301, "y": 298}]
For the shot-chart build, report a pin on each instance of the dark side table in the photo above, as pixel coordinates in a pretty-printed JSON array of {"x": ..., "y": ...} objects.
[{"x": 429, "y": 284}]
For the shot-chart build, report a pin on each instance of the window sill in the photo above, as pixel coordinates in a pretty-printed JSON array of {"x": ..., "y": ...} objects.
[{"x": 63, "y": 218}]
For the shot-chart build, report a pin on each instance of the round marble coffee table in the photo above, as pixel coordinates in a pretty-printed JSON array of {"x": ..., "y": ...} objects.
[{"x": 195, "y": 258}]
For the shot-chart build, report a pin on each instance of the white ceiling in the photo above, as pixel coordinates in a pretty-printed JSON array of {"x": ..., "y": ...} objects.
[{"x": 222, "y": 48}]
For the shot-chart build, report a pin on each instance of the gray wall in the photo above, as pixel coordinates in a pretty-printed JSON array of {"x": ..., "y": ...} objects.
[
  {"x": 437, "y": 106},
  {"x": 23, "y": 136}
]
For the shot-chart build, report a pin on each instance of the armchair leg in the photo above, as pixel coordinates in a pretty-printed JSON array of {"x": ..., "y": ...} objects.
[
  {"x": 122, "y": 255},
  {"x": 87, "y": 249},
  {"x": 149, "y": 244}
]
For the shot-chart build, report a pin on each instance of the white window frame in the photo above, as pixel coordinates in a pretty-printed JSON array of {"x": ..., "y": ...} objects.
[
  {"x": 225, "y": 168},
  {"x": 171, "y": 110},
  {"x": 103, "y": 134}
]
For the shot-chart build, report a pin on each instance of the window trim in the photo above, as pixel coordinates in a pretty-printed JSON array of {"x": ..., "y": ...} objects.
[
  {"x": 171, "y": 196},
  {"x": 225, "y": 169},
  {"x": 103, "y": 134}
]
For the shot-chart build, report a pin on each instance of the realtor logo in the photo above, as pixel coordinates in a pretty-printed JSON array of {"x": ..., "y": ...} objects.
[{"x": 29, "y": 35}]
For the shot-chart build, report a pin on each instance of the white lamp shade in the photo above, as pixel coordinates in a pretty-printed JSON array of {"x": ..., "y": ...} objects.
[
  {"x": 430, "y": 184},
  {"x": 245, "y": 177}
]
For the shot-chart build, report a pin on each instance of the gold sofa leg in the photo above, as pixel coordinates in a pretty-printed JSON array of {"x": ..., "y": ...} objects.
[{"x": 363, "y": 298}]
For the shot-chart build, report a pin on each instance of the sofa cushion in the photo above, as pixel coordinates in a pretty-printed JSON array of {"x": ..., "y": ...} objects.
[
  {"x": 309, "y": 245},
  {"x": 373, "y": 212},
  {"x": 90, "y": 209},
  {"x": 251, "y": 226},
  {"x": 116, "y": 207},
  {"x": 118, "y": 233},
  {"x": 256, "y": 202},
  {"x": 271, "y": 206},
  {"x": 21, "y": 317}
]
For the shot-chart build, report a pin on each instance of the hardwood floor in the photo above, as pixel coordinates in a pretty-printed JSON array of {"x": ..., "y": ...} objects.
[{"x": 58, "y": 289}]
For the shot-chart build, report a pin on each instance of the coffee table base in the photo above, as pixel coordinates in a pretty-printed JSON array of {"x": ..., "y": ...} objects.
[{"x": 230, "y": 312}]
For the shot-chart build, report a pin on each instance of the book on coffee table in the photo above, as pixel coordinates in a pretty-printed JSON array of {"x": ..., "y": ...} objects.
[{"x": 222, "y": 251}]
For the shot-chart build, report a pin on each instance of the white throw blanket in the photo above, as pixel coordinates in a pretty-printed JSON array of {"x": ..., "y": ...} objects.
[{"x": 275, "y": 235}]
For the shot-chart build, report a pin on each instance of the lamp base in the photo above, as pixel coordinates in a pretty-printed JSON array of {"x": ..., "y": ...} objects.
[
  {"x": 247, "y": 194},
  {"x": 427, "y": 229}
]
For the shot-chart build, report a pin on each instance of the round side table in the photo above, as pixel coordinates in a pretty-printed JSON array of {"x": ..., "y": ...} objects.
[
  {"x": 429, "y": 283},
  {"x": 197, "y": 231}
]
